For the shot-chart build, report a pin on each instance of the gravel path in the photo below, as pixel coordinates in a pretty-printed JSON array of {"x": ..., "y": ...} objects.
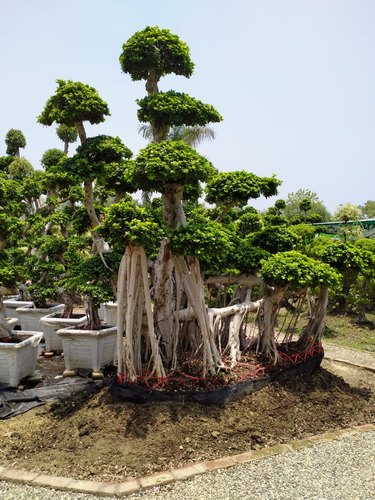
[{"x": 342, "y": 469}]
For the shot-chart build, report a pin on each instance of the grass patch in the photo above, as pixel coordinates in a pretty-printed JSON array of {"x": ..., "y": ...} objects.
[{"x": 340, "y": 330}]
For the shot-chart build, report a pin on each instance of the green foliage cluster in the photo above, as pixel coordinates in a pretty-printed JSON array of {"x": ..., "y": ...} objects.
[
  {"x": 248, "y": 222},
  {"x": 72, "y": 103},
  {"x": 270, "y": 219},
  {"x": 66, "y": 133},
  {"x": 14, "y": 140},
  {"x": 158, "y": 50},
  {"x": 126, "y": 223},
  {"x": 5, "y": 161},
  {"x": 275, "y": 239},
  {"x": 94, "y": 154},
  {"x": 343, "y": 257},
  {"x": 170, "y": 162},
  {"x": 12, "y": 270},
  {"x": 203, "y": 238},
  {"x": 88, "y": 276},
  {"x": 175, "y": 109},
  {"x": 11, "y": 228},
  {"x": 52, "y": 157},
  {"x": 236, "y": 188},
  {"x": 246, "y": 257},
  {"x": 20, "y": 168},
  {"x": 298, "y": 271},
  {"x": 117, "y": 178}
]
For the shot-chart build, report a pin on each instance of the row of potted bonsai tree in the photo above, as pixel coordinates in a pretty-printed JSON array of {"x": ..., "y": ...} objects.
[{"x": 185, "y": 275}]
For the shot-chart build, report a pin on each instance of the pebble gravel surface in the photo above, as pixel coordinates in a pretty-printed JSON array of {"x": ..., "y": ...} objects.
[{"x": 341, "y": 469}]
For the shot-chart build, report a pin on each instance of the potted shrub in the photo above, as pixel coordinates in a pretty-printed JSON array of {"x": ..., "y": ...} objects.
[{"x": 93, "y": 345}]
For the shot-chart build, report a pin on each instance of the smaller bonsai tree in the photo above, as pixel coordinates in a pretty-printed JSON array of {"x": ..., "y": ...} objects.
[
  {"x": 234, "y": 189},
  {"x": 287, "y": 271},
  {"x": 72, "y": 104},
  {"x": 68, "y": 135},
  {"x": 87, "y": 276},
  {"x": 152, "y": 53},
  {"x": 14, "y": 140}
]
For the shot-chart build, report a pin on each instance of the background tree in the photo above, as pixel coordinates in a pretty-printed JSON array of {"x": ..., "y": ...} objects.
[
  {"x": 68, "y": 135},
  {"x": 349, "y": 214},
  {"x": 14, "y": 140},
  {"x": 368, "y": 209},
  {"x": 191, "y": 135},
  {"x": 304, "y": 207},
  {"x": 293, "y": 202}
]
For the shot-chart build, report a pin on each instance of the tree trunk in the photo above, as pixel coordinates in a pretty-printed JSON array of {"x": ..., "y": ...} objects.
[
  {"x": 164, "y": 284},
  {"x": 94, "y": 322},
  {"x": 152, "y": 82},
  {"x": 81, "y": 132},
  {"x": 266, "y": 321},
  {"x": 173, "y": 211},
  {"x": 133, "y": 300},
  {"x": 315, "y": 327},
  {"x": 89, "y": 203},
  {"x": 160, "y": 133},
  {"x": 164, "y": 297}
]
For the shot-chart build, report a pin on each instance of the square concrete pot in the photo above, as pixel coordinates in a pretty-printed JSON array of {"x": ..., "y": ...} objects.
[
  {"x": 29, "y": 317},
  {"x": 52, "y": 323},
  {"x": 90, "y": 349},
  {"x": 18, "y": 360},
  {"x": 11, "y": 305}
]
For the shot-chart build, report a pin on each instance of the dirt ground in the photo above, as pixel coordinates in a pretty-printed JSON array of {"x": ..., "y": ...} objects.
[{"x": 96, "y": 439}]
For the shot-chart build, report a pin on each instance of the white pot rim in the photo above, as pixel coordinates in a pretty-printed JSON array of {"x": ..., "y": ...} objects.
[
  {"x": 75, "y": 332},
  {"x": 32, "y": 338}
]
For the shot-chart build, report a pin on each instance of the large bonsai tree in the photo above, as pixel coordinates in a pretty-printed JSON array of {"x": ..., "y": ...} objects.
[{"x": 184, "y": 327}]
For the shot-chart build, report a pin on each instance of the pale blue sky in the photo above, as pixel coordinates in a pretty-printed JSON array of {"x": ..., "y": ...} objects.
[{"x": 293, "y": 79}]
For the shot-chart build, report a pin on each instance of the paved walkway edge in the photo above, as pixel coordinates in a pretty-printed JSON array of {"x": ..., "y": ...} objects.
[
  {"x": 346, "y": 362},
  {"x": 134, "y": 486}
]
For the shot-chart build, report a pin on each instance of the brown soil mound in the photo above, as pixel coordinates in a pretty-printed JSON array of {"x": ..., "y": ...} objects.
[{"x": 96, "y": 439}]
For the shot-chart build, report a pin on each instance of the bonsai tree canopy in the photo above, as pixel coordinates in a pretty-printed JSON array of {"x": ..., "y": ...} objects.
[
  {"x": 14, "y": 140},
  {"x": 170, "y": 162},
  {"x": 155, "y": 50},
  {"x": 175, "y": 109},
  {"x": 72, "y": 104}
]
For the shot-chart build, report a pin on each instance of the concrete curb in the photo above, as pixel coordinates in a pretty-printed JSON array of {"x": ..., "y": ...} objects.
[
  {"x": 356, "y": 365},
  {"x": 162, "y": 478}
]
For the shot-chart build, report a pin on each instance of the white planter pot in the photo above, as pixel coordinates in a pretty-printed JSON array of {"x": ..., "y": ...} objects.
[
  {"x": 11, "y": 321},
  {"x": 18, "y": 361},
  {"x": 30, "y": 316},
  {"x": 51, "y": 323},
  {"x": 110, "y": 313},
  {"x": 12, "y": 304},
  {"x": 101, "y": 312},
  {"x": 92, "y": 349}
]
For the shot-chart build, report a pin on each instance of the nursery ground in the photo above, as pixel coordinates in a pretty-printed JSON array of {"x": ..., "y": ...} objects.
[{"x": 96, "y": 439}]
